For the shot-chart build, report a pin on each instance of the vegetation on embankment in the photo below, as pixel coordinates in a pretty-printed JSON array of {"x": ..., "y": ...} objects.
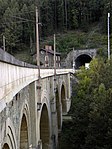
[
  {"x": 66, "y": 41},
  {"x": 91, "y": 111},
  {"x": 81, "y": 40},
  {"x": 74, "y": 21}
]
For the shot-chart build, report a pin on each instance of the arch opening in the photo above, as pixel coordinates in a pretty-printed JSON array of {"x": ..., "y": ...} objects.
[
  {"x": 58, "y": 110},
  {"x": 63, "y": 100},
  {"x": 45, "y": 128},
  {"x": 5, "y": 146},
  {"x": 82, "y": 60},
  {"x": 24, "y": 133}
]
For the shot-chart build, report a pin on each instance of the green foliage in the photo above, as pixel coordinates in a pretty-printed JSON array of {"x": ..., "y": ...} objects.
[
  {"x": 91, "y": 125},
  {"x": 14, "y": 25},
  {"x": 17, "y": 22}
]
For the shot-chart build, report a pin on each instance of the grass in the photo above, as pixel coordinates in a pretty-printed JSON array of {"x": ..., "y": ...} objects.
[{"x": 24, "y": 55}]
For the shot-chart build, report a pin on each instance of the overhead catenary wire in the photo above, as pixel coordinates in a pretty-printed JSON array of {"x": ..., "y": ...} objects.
[{"x": 24, "y": 19}]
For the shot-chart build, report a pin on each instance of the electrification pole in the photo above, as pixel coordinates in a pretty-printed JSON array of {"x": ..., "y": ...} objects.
[
  {"x": 108, "y": 36},
  {"x": 3, "y": 42},
  {"x": 38, "y": 86},
  {"x": 54, "y": 54},
  {"x": 37, "y": 42},
  {"x": 66, "y": 14},
  {"x": 73, "y": 60}
]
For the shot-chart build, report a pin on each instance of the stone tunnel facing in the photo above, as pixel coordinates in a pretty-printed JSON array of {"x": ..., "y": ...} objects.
[{"x": 82, "y": 60}]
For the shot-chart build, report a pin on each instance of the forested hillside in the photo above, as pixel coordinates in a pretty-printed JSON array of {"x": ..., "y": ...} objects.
[{"x": 17, "y": 19}]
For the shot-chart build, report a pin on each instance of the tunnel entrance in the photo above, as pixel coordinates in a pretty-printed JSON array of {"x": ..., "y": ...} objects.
[{"x": 82, "y": 60}]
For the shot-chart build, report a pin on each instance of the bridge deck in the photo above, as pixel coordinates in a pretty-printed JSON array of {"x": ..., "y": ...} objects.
[
  {"x": 14, "y": 78},
  {"x": 15, "y": 75}
]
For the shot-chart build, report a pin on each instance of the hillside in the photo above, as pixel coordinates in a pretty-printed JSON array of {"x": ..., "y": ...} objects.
[
  {"x": 78, "y": 23},
  {"x": 65, "y": 42}
]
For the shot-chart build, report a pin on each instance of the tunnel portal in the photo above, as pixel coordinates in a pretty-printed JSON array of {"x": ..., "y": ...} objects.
[{"x": 81, "y": 60}]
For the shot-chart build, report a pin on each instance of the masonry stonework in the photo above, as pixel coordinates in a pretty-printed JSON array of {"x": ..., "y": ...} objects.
[
  {"x": 22, "y": 110},
  {"x": 24, "y": 125}
]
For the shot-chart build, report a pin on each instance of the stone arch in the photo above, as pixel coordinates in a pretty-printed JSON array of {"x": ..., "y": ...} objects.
[
  {"x": 6, "y": 146},
  {"x": 63, "y": 99},
  {"x": 10, "y": 137},
  {"x": 25, "y": 119},
  {"x": 58, "y": 109},
  {"x": 45, "y": 128},
  {"x": 24, "y": 133},
  {"x": 81, "y": 59}
]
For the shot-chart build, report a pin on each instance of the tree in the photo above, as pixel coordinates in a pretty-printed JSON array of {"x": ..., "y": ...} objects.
[
  {"x": 11, "y": 29},
  {"x": 91, "y": 108}
]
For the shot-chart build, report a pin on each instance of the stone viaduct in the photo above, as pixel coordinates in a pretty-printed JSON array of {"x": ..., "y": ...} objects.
[{"x": 31, "y": 107}]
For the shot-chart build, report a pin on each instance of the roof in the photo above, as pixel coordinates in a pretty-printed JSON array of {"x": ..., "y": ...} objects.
[{"x": 50, "y": 51}]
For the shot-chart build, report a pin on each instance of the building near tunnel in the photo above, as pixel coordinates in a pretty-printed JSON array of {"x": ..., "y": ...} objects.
[
  {"x": 47, "y": 57},
  {"x": 79, "y": 58}
]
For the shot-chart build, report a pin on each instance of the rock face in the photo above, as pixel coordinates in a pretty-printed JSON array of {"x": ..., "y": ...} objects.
[{"x": 79, "y": 58}]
